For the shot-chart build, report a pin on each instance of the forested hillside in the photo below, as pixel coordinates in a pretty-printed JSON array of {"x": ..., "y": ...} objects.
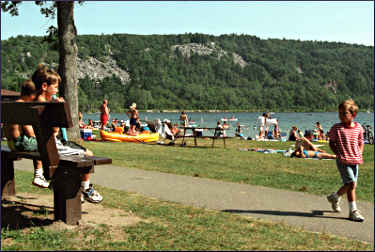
[{"x": 198, "y": 71}]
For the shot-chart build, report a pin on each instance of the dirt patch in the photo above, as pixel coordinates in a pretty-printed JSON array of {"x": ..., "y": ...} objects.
[{"x": 27, "y": 210}]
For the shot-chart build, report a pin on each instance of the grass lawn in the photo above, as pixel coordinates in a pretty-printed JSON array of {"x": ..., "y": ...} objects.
[
  {"x": 161, "y": 225},
  {"x": 173, "y": 226},
  {"x": 318, "y": 177}
]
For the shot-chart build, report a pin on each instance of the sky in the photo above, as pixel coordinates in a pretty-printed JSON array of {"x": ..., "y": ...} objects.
[{"x": 334, "y": 21}]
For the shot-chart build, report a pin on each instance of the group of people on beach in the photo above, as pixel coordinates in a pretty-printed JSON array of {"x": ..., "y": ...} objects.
[
  {"x": 132, "y": 113},
  {"x": 345, "y": 140},
  {"x": 318, "y": 133},
  {"x": 264, "y": 124}
]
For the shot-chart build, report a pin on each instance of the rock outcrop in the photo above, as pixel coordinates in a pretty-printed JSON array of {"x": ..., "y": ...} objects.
[
  {"x": 187, "y": 50},
  {"x": 98, "y": 70}
]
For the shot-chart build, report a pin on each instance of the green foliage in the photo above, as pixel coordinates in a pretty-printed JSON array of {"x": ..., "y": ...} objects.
[{"x": 280, "y": 75}]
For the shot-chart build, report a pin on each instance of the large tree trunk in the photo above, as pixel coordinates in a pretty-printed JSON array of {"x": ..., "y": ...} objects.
[{"x": 68, "y": 61}]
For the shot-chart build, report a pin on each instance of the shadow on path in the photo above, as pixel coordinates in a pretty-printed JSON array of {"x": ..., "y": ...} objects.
[{"x": 314, "y": 213}]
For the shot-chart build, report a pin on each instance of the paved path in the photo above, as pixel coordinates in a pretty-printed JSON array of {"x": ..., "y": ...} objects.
[{"x": 293, "y": 208}]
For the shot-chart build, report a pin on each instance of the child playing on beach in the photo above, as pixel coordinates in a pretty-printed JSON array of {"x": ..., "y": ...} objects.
[
  {"x": 133, "y": 115},
  {"x": 47, "y": 82},
  {"x": 346, "y": 141},
  {"x": 22, "y": 137}
]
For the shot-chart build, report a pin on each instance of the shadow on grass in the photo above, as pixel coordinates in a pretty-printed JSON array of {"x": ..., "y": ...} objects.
[
  {"x": 314, "y": 213},
  {"x": 17, "y": 215}
]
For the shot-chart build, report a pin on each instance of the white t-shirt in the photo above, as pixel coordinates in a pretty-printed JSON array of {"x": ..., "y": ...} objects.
[
  {"x": 261, "y": 121},
  {"x": 270, "y": 122}
]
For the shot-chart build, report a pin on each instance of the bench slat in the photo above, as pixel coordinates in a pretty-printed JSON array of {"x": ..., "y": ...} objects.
[
  {"x": 58, "y": 113},
  {"x": 72, "y": 160}
]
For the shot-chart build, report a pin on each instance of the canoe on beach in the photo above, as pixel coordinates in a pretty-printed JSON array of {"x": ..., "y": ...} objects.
[{"x": 144, "y": 137}]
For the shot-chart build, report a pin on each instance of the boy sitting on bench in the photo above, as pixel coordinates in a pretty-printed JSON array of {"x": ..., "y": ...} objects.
[
  {"x": 22, "y": 137},
  {"x": 47, "y": 83}
]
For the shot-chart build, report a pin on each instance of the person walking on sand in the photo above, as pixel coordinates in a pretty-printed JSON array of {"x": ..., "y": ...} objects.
[
  {"x": 346, "y": 141},
  {"x": 133, "y": 115},
  {"x": 104, "y": 114}
]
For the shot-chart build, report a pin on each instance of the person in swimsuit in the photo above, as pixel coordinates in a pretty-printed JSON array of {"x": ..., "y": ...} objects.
[
  {"x": 305, "y": 149},
  {"x": 133, "y": 115},
  {"x": 104, "y": 114}
]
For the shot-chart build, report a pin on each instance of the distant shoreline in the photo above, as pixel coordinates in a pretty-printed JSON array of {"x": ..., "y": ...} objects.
[{"x": 218, "y": 111}]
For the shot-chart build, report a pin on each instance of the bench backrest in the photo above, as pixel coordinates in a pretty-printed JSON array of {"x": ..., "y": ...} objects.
[{"x": 42, "y": 116}]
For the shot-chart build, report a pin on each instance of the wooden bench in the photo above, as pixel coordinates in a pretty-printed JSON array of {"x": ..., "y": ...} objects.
[
  {"x": 195, "y": 135},
  {"x": 64, "y": 171}
]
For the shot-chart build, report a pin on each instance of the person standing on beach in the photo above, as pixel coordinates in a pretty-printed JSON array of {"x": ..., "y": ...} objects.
[
  {"x": 133, "y": 115},
  {"x": 184, "y": 119},
  {"x": 347, "y": 142},
  {"x": 104, "y": 114},
  {"x": 261, "y": 124}
]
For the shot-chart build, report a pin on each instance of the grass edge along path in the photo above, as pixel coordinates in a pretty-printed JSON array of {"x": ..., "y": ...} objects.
[
  {"x": 166, "y": 226},
  {"x": 319, "y": 177}
]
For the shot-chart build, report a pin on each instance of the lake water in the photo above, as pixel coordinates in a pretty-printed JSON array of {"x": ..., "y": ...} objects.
[{"x": 303, "y": 121}]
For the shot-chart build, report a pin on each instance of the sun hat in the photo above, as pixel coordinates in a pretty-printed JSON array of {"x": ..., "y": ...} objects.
[{"x": 134, "y": 105}]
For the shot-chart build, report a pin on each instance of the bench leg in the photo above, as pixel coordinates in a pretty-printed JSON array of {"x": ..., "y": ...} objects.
[
  {"x": 8, "y": 187},
  {"x": 66, "y": 185}
]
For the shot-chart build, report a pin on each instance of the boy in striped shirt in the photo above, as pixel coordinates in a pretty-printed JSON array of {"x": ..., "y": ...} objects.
[{"x": 346, "y": 141}]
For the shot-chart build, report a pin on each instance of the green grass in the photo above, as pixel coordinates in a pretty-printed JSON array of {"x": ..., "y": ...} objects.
[
  {"x": 167, "y": 226},
  {"x": 318, "y": 177}
]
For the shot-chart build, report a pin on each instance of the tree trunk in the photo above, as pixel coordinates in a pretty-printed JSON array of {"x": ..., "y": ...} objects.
[{"x": 68, "y": 61}]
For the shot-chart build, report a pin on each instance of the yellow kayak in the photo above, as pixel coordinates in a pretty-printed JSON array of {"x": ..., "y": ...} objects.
[{"x": 144, "y": 137}]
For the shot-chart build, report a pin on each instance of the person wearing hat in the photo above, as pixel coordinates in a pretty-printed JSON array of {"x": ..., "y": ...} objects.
[{"x": 133, "y": 116}]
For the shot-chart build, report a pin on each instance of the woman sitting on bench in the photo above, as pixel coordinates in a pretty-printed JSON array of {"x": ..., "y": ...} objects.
[{"x": 47, "y": 83}]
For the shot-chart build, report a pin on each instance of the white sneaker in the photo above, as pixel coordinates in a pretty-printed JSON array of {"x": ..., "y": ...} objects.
[
  {"x": 334, "y": 202},
  {"x": 40, "y": 181},
  {"x": 91, "y": 195},
  {"x": 356, "y": 216}
]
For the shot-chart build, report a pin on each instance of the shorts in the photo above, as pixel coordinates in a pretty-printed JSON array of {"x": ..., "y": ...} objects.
[
  {"x": 69, "y": 148},
  {"x": 349, "y": 173},
  {"x": 104, "y": 119},
  {"x": 133, "y": 121},
  {"x": 315, "y": 154},
  {"x": 23, "y": 143}
]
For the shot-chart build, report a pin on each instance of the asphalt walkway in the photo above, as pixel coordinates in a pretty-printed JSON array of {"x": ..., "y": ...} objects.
[{"x": 300, "y": 209}]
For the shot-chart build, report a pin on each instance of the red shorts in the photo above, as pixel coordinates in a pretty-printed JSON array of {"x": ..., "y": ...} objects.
[{"x": 104, "y": 119}]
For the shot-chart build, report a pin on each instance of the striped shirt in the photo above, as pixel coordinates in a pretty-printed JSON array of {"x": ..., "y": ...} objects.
[{"x": 348, "y": 141}]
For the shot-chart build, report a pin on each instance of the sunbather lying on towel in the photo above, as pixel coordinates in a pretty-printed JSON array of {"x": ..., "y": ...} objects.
[{"x": 305, "y": 149}]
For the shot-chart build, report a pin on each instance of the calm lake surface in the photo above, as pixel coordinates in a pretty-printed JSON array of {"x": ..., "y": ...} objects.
[{"x": 303, "y": 121}]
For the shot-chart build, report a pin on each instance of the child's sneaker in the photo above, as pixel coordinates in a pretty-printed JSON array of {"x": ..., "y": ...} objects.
[
  {"x": 91, "y": 195},
  {"x": 356, "y": 216},
  {"x": 40, "y": 181},
  {"x": 335, "y": 202}
]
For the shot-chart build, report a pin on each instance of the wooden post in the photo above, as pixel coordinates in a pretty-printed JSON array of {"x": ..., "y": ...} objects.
[
  {"x": 7, "y": 176},
  {"x": 195, "y": 136}
]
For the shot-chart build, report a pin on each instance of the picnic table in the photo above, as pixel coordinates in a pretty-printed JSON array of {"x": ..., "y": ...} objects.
[{"x": 217, "y": 134}]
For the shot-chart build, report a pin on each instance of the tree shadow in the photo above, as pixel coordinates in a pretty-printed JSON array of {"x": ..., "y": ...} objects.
[
  {"x": 314, "y": 213},
  {"x": 17, "y": 215}
]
